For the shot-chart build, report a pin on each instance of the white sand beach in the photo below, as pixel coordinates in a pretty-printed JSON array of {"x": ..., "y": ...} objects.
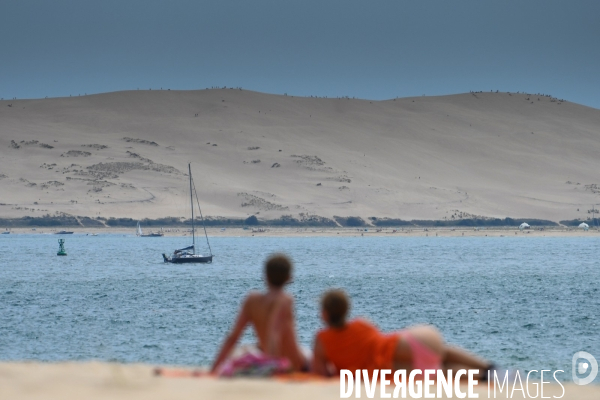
[
  {"x": 269, "y": 231},
  {"x": 95, "y": 380}
]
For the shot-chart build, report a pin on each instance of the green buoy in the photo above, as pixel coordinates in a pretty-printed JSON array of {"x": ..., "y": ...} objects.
[{"x": 61, "y": 248}]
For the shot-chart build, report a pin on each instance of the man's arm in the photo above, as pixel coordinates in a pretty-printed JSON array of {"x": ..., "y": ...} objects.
[{"x": 241, "y": 322}]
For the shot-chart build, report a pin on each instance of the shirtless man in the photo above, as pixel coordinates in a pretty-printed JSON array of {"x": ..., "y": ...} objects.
[
  {"x": 272, "y": 316},
  {"x": 357, "y": 344}
]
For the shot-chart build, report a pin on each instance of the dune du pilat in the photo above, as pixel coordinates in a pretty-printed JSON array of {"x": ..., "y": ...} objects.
[{"x": 329, "y": 160}]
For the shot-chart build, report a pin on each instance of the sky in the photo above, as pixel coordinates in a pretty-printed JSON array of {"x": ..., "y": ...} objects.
[{"x": 366, "y": 49}]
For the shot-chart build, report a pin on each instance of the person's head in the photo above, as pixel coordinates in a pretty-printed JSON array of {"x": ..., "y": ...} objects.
[
  {"x": 278, "y": 270},
  {"x": 334, "y": 307}
]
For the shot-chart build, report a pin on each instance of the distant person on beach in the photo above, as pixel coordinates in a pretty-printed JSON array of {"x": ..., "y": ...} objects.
[
  {"x": 272, "y": 316},
  {"x": 357, "y": 344}
]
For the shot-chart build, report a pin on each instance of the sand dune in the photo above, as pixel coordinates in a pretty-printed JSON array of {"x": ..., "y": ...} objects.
[{"x": 125, "y": 154}]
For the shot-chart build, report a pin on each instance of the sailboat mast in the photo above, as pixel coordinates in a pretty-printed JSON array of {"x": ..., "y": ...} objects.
[
  {"x": 202, "y": 219},
  {"x": 192, "y": 204}
]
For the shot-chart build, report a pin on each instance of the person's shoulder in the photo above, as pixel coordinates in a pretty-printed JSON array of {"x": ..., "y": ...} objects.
[
  {"x": 362, "y": 322},
  {"x": 280, "y": 297},
  {"x": 253, "y": 296},
  {"x": 321, "y": 333},
  {"x": 287, "y": 298}
]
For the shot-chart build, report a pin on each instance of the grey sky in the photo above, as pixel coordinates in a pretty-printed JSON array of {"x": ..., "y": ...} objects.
[{"x": 368, "y": 49}]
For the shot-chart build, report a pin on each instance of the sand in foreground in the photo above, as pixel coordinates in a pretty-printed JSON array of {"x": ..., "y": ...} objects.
[{"x": 95, "y": 380}]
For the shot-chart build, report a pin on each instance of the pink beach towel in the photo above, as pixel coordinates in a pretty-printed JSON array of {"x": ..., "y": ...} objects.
[{"x": 258, "y": 365}]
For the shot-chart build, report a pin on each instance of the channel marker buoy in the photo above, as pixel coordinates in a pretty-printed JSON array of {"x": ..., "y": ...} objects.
[{"x": 61, "y": 248}]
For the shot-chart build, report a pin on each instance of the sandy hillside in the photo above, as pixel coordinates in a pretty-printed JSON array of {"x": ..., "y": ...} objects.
[{"x": 125, "y": 154}]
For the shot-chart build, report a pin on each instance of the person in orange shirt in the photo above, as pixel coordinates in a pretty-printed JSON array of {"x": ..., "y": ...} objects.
[
  {"x": 272, "y": 316},
  {"x": 357, "y": 344}
]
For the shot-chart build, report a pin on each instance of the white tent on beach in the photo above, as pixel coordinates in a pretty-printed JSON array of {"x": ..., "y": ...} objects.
[
  {"x": 524, "y": 225},
  {"x": 584, "y": 226}
]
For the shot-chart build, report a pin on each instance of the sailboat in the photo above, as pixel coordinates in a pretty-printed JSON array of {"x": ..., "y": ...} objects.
[
  {"x": 151, "y": 234},
  {"x": 188, "y": 254}
]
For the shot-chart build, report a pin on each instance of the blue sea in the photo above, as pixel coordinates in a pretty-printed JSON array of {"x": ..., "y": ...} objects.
[{"x": 526, "y": 303}]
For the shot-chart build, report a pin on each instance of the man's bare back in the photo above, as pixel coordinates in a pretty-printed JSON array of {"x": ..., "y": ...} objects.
[
  {"x": 272, "y": 316},
  {"x": 268, "y": 312}
]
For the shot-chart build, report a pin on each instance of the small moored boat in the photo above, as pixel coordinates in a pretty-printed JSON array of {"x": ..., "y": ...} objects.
[
  {"x": 151, "y": 234},
  {"x": 188, "y": 254}
]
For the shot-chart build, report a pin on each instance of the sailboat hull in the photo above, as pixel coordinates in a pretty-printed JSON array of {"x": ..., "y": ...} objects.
[{"x": 189, "y": 259}]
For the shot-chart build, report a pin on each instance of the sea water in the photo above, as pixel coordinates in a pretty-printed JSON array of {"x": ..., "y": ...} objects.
[{"x": 526, "y": 303}]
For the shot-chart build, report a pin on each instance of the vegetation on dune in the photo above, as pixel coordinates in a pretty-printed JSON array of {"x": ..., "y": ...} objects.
[
  {"x": 350, "y": 221},
  {"x": 35, "y": 222},
  {"x": 576, "y": 222},
  {"x": 66, "y": 220},
  {"x": 389, "y": 222},
  {"x": 474, "y": 222}
]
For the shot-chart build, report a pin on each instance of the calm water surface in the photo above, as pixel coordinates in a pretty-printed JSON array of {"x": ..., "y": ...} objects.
[{"x": 527, "y": 303}]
